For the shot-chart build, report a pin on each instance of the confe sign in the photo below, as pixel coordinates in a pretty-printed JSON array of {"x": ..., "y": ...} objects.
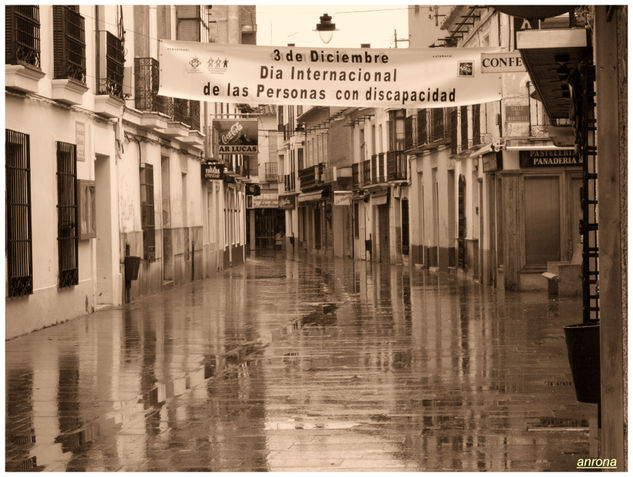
[{"x": 354, "y": 77}]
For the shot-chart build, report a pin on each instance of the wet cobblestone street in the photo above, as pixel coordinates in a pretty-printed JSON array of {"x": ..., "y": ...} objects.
[{"x": 303, "y": 365}]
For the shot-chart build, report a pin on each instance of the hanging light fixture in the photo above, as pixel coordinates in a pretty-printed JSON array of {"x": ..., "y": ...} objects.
[{"x": 326, "y": 28}]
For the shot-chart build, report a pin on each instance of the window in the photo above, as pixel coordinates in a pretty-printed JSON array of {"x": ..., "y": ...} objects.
[
  {"x": 362, "y": 144},
  {"x": 476, "y": 124},
  {"x": 67, "y": 231},
  {"x": 373, "y": 139},
  {"x": 437, "y": 124},
  {"x": 542, "y": 221},
  {"x": 397, "y": 130},
  {"x": 147, "y": 212},
  {"x": 188, "y": 22},
  {"x": 408, "y": 132},
  {"x": 356, "y": 225},
  {"x": 110, "y": 65},
  {"x": 464, "y": 126},
  {"x": 18, "y": 215},
  {"x": 22, "y": 35},
  {"x": 69, "y": 38},
  {"x": 422, "y": 137},
  {"x": 453, "y": 129}
]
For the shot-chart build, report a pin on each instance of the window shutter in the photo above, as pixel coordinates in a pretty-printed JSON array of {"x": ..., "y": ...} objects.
[
  {"x": 422, "y": 139},
  {"x": 408, "y": 132}
]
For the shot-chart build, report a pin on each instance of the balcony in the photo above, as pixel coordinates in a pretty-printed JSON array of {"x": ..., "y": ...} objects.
[
  {"x": 109, "y": 100},
  {"x": 289, "y": 183},
  {"x": 396, "y": 166},
  {"x": 378, "y": 168},
  {"x": 356, "y": 179},
  {"x": 69, "y": 52},
  {"x": 22, "y": 49},
  {"x": 311, "y": 177},
  {"x": 366, "y": 172},
  {"x": 270, "y": 172}
]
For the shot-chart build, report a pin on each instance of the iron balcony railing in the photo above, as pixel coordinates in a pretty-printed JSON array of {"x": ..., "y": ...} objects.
[
  {"x": 311, "y": 177},
  {"x": 111, "y": 80},
  {"x": 356, "y": 175},
  {"x": 366, "y": 172},
  {"x": 146, "y": 81},
  {"x": 289, "y": 182},
  {"x": 22, "y": 34},
  {"x": 69, "y": 38},
  {"x": 396, "y": 166},
  {"x": 270, "y": 171}
]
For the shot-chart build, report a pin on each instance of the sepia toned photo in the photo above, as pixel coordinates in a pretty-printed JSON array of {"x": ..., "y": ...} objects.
[{"x": 316, "y": 238}]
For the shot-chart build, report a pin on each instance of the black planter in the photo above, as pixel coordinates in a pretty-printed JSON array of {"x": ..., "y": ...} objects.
[
  {"x": 131, "y": 267},
  {"x": 583, "y": 350}
]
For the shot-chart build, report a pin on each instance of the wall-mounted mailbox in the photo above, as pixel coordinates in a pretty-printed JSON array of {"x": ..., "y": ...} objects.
[{"x": 131, "y": 267}]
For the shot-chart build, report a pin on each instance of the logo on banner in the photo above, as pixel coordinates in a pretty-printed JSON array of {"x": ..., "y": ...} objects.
[
  {"x": 465, "y": 68},
  {"x": 217, "y": 65},
  {"x": 193, "y": 66}
]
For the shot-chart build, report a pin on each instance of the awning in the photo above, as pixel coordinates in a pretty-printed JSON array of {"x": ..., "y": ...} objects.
[
  {"x": 549, "y": 56},
  {"x": 310, "y": 196},
  {"x": 530, "y": 147}
]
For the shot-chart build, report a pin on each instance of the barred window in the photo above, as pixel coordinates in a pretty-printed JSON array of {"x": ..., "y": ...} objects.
[
  {"x": 464, "y": 126},
  {"x": 67, "y": 233},
  {"x": 476, "y": 124},
  {"x": 18, "y": 215},
  {"x": 422, "y": 136},
  {"x": 147, "y": 212},
  {"x": 69, "y": 43}
]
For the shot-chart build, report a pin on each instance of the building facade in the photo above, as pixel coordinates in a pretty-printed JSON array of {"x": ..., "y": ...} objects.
[{"x": 105, "y": 195}]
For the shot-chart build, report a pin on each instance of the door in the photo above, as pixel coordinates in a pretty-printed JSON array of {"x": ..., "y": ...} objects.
[
  {"x": 383, "y": 224},
  {"x": 317, "y": 227},
  {"x": 168, "y": 263},
  {"x": 461, "y": 222}
]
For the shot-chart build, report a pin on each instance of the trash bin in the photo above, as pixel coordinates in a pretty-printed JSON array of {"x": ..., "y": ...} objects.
[
  {"x": 583, "y": 351},
  {"x": 131, "y": 267}
]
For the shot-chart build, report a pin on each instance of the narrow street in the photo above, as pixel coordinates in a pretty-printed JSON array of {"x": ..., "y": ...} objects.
[{"x": 307, "y": 365}]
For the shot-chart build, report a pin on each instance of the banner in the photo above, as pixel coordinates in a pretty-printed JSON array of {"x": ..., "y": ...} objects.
[
  {"x": 236, "y": 136},
  {"x": 356, "y": 77}
]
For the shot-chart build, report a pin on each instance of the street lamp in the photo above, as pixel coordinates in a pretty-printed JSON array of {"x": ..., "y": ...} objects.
[{"x": 326, "y": 28}]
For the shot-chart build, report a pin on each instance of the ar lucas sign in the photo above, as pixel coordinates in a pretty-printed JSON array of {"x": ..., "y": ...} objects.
[{"x": 236, "y": 136}]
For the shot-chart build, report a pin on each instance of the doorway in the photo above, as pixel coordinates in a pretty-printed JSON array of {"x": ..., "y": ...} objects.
[
  {"x": 167, "y": 252},
  {"x": 383, "y": 233},
  {"x": 105, "y": 273},
  {"x": 461, "y": 222},
  {"x": 317, "y": 227}
]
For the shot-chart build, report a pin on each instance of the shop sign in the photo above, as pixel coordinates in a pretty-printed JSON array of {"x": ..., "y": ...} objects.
[
  {"x": 350, "y": 77},
  {"x": 493, "y": 161},
  {"x": 287, "y": 202},
  {"x": 502, "y": 62},
  {"x": 517, "y": 113},
  {"x": 266, "y": 201},
  {"x": 549, "y": 158},
  {"x": 236, "y": 136},
  {"x": 343, "y": 199},
  {"x": 212, "y": 170}
]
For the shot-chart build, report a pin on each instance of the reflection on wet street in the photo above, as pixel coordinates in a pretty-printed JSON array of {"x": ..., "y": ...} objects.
[{"x": 307, "y": 365}]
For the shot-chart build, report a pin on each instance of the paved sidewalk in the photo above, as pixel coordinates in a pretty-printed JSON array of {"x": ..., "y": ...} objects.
[{"x": 302, "y": 365}]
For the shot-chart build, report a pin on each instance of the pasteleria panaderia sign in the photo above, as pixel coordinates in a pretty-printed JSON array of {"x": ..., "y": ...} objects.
[{"x": 363, "y": 77}]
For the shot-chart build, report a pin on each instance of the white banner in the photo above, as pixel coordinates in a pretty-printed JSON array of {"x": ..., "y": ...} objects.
[{"x": 361, "y": 77}]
